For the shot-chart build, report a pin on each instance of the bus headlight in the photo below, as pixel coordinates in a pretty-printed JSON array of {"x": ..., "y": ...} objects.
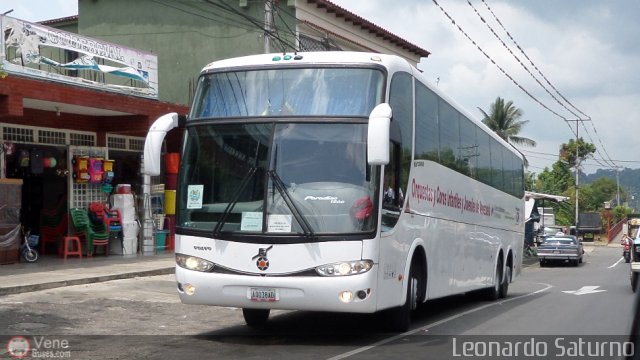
[
  {"x": 193, "y": 263},
  {"x": 345, "y": 268}
]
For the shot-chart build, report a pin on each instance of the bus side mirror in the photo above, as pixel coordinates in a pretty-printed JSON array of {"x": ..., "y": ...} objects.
[
  {"x": 378, "y": 135},
  {"x": 153, "y": 142}
]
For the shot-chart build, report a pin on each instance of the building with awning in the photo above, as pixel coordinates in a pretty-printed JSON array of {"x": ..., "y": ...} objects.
[{"x": 533, "y": 202}]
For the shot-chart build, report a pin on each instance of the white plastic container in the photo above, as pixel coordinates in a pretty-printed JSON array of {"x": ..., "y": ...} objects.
[
  {"x": 125, "y": 204},
  {"x": 130, "y": 245},
  {"x": 130, "y": 229}
]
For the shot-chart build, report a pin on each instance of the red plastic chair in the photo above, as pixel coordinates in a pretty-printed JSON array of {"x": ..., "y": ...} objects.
[{"x": 111, "y": 218}]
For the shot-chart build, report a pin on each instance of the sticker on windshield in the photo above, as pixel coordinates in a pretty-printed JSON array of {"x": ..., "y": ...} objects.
[
  {"x": 251, "y": 221},
  {"x": 194, "y": 196},
  {"x": 279, "y": 223}
]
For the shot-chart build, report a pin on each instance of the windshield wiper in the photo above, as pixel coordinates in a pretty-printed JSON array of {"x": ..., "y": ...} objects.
[
  {"x": 234, "y": 201},
  {"x": 282, "y": 189}
]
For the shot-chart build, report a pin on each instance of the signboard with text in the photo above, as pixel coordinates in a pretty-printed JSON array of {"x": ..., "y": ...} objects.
[{"x": 35, "y": 50}]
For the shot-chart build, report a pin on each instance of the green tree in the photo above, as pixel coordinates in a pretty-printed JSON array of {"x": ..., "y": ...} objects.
[
  {"x": 596, "y": 193},
  {"x": 530, "y": 181},
  {"x": 620, "y": 212},
  {"x": 556, "y": 180},
  {"x": 504, "y": 119},
  {"x": 568, "y": 151}
]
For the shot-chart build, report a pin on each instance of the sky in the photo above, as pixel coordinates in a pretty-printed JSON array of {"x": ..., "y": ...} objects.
[{"x": 586, "y": 50}]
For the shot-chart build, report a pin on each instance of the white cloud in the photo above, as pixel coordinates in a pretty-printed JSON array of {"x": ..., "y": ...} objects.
[{"x": 582, "y": 47}]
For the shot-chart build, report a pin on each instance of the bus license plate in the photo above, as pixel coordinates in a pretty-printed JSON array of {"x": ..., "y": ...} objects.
[
  {"x": 263, "y": 294},
  {"x": 557, "y": 251}
]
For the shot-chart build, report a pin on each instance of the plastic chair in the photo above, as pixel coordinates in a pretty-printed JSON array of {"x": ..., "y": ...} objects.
[
  {"x": 53, "y": 225},
  {"x": 111, "y": 218},
  {"x": 74, "y": 243},
  {"x": 96, "y": 234}
]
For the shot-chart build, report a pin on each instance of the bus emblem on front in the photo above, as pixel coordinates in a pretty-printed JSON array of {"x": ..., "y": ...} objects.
[{"x": 263, "y": 262}]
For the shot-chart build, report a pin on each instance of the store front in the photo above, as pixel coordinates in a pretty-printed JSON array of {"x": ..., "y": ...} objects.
[
  {"x": 73, "y": 120},
  {"x": 45, "y": 161}
]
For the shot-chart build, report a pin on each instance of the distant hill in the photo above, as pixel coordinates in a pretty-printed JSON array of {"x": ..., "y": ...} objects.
[{"x": 629, "y": 180}]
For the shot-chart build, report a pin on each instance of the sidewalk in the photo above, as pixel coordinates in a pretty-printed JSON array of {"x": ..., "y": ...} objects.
[{"x": 51, "y": 271}]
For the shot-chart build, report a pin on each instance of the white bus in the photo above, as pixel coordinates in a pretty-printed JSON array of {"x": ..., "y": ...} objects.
[{"x": 341, "y": 182}]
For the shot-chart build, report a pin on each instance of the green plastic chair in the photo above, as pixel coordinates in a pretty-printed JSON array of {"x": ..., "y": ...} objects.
[{"x": 95, "y": 234}]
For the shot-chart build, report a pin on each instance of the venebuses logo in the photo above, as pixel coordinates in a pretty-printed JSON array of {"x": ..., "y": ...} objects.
[{"x": 18, "y": 347}]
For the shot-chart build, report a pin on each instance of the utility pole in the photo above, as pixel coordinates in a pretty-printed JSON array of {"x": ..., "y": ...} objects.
[
  {"x": 577, "y": 170},
  {"x": 618, "y": 186},
  {"x": 268, "y": 21}
]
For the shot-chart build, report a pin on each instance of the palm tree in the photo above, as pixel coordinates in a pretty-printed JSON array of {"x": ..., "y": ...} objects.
[{"x": 503, "y": 119}]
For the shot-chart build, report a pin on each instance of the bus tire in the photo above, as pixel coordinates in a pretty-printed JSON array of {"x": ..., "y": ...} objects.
[
  {"x": 398, "y": 319},
  {"x": 634, "y": 281},
  {"x": 506, "y": 279},
  {"x": 255, "y": 317},
  {"x": 493, "y": 293}
]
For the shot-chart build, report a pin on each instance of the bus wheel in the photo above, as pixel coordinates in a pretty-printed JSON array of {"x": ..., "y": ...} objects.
[
  {"x": 506, "y": 279},
  {"x": 399, "y": 318},
  {"x": 493, "y": 293},
  {"x": 256, "y": 317},
  {"x": 634, "y": 281}
]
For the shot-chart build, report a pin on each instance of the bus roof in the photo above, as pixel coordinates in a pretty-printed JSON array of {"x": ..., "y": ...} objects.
[{"x": 320, "y": 57}]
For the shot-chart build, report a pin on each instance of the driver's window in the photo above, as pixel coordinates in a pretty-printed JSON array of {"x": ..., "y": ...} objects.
[
  {"x": 392, "y": 194},
  {"x": 396, "y": 173}
]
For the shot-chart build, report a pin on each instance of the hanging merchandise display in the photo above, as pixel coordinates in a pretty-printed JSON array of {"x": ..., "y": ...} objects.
[
  {"x": 81, "y": 169},
  {"x": 24, "y": 158},
  {"x": 9, "y": 148},
  {"x": 49, "y": 162},
  {"x": 172, "y": 163},
  {"x": 95, "y": 170},
  {"x": 107, "y": 168},
  {"x": 170, "y": 202},
  {"x": 37, "y": 161}
]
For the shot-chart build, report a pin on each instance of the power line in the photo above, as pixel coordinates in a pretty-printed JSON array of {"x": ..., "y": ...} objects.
[
  {"x": 610, "y": 161},
  {"x": 556, "y": 156},
  {"x": 499, "y": 67},
  {"x": 256, "y": 22},
  {"x": 530, "y": 61},
  {"x": 521, "y": 87},
  {"x": 520, "y": 61}
]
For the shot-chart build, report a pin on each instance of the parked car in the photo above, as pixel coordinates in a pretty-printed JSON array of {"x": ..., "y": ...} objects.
[
  {"x": 547, "y": 231},
  {"x": 560, "y": 248}
]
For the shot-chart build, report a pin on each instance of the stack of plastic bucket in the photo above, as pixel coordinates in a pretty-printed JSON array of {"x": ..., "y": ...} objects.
[{"x": 172, "y": 164}]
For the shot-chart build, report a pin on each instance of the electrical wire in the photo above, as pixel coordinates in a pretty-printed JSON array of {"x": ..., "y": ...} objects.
[
  {"x": 520, "y": 61},
  {"x": 530, "y": 61},
  {"x": 256, "y": 22},
  {"x": 606, "y": 156},
  {"x": 500, "y": 67}
]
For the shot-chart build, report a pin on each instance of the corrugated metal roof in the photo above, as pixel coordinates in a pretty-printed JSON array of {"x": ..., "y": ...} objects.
[{"x": 59, "y": 20}]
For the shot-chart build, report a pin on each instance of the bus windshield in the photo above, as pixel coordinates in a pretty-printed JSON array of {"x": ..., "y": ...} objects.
[
  {"x": 335, "y": 91},
  {"x": 277, "y": 179}
]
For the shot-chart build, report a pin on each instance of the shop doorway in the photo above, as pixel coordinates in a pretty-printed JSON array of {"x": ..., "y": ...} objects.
[{"x": 43, "y": 170}]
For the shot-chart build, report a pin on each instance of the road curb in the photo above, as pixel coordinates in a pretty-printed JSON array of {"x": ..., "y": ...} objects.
[{"x": 82, "y": 281}]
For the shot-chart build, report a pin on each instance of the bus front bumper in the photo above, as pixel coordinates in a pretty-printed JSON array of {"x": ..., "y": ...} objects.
[{"x": 355, "y": 293}]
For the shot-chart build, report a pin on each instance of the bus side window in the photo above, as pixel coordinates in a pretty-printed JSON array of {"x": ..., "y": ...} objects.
[{"x": 393, "y": 196}]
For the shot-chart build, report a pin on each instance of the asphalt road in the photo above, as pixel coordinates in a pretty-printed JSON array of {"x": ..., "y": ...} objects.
[{"x": 143, "y": 318}]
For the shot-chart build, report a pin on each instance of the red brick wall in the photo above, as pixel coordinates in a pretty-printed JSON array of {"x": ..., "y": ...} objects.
[{"x": 13, "y": 89}]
